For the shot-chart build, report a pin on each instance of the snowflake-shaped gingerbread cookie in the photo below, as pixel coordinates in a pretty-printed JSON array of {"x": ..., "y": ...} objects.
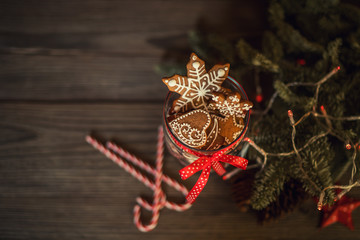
[
  {"x": 231, "y": 105},
  {"x": 197, "y": 87}
]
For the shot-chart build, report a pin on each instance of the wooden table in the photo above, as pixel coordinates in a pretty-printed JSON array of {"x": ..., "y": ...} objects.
[{"x": 69, "y": 68}]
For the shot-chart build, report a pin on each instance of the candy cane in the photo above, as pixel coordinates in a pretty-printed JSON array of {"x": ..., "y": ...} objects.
[
  {"x": 159, "y": 197},
  {"x": 159, "y": 201},
  {"x": 145, "y": 166}
]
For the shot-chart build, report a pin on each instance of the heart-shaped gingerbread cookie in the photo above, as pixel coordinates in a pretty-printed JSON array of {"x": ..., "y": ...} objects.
[{"x": 191, "y": 127}]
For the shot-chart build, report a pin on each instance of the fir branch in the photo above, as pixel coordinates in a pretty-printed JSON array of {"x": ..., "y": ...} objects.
[
  {"x": 198, "y": 44},
  {"x": 321, "y": 176},
  {"x": 223, "y": 47},
  {"x": 254, "y": 58},
  {"x": 289, "y": 36},
  {"x": 272, "y": 47},
  {"x": 324, "y": 34},
  {"x": 332, "y": 52},
  {"x": 295, "y": 41},
  {"x": 293, "y": 133},
  {"x": 170, "y": 70},
  {"x": 269, "y": 185},
  {"x": 291, "y": 98}
]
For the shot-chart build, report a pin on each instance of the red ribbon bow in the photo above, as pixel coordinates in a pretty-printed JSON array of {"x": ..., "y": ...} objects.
[{"x": 205, "y": 163}]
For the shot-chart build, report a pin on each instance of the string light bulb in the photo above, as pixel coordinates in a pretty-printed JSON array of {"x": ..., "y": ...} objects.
[
  {"x": 291, "y": 116},
  {"x": 290, "y": 113},
  {"x": 259, "y": 98},
  {"x": 319, "y": 206},
  {"x": 301, "y": 61}
]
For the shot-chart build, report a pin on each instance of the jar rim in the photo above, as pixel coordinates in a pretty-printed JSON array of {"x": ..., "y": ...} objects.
[{"x": 210, "y": 152}]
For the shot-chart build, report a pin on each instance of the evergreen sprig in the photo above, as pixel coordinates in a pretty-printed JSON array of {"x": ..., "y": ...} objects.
[{"x": 322, "y": 34}]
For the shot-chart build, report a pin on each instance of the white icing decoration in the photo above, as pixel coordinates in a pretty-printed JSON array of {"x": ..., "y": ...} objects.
[
  {"x": 202, "y": 93},
  {"x": 234, "y": 99},
  {"x": 215, "y": 98},
  {"x": 172, "y": 83},
  {"x": 246, "y": 107},
  {"x": 237, "y": 134},
  {"x": 221, "y": 72},
  {"x": 215, "y": 130},
  {"x": 196, "y": 64}
]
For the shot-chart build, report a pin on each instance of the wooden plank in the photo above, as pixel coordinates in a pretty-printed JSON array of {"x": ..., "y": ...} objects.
[
  {"x": 55, "y": 186},
  {"x": 125, "y": 16},
  {"x": 120, "y": 26},
  {"x": 105, "y": 50},
  {"x": 80, "y": 78}
]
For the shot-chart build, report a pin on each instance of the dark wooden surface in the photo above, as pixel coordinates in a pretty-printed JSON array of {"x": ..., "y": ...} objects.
[{"x": 68, "y": 68}]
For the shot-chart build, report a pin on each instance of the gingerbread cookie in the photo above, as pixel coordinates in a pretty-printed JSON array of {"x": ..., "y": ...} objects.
[
  {"x": 225, "y": 91},
  {"x": 229, "y": 128},
  {"x": 230, "y": 105},
  {"x": 174, "y": 116},
  {"x": 214, "y": 139},
  {"x": 191, "y": 127},
  {"x": 197, "y": 87}
]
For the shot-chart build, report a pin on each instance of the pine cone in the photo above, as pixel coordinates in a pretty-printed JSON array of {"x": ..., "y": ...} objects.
[
  {"x": 289, "y": 199},
  {"x": 242, "y": 185}
]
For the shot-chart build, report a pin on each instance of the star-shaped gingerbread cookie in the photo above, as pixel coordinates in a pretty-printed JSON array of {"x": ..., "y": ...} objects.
[
  {"x": 229, "y": 128},
  {"x": 197, "y": 87}
]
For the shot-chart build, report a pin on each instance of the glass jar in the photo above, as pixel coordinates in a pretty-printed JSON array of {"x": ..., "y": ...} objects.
[{"x": 177, "y": 148}]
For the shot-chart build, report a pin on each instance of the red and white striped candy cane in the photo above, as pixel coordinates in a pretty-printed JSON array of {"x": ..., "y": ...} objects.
[
  {"x": 145, "y": 166},
  {"x": 159, "y": 196}
]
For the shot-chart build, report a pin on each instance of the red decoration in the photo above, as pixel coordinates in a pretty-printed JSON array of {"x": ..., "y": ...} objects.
[
  {"x": 259, "y": 98},
  {"x": 290, "y": 113},
  {"x": 205, "y": 163},
  {"x": 301, "y": 62},
  {"x": 340, "y": 212}
]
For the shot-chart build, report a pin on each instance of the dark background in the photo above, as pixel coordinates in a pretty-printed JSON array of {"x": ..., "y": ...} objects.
[{"x": 68, "y": 68}]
